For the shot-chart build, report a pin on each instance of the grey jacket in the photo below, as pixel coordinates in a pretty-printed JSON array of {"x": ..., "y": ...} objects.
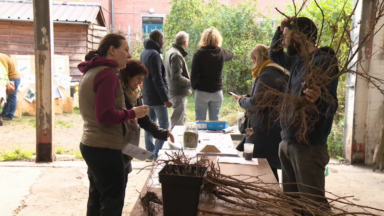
[{"x": 177, "y": 75}]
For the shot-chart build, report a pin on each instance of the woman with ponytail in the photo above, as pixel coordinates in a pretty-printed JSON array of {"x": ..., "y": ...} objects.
[{"x": 106, "y": 125}]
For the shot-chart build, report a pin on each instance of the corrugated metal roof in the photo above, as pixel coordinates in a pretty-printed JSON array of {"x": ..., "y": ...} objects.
[{"x": 63, "y": 12}]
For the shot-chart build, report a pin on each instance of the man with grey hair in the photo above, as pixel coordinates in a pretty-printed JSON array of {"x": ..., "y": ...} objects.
[{"x": 178, "y": 78}]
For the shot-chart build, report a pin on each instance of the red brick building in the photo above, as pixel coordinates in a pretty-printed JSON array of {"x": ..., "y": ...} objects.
[{"x": 137, "y": 15}]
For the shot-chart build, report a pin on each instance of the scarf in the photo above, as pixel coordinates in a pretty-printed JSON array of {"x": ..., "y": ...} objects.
[
  {"x": 257, "y": 70},
  {"x": 131, "y": 95}
]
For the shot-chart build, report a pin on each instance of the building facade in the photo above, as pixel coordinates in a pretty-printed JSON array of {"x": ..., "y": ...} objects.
[{"x": 138, "y": 16}]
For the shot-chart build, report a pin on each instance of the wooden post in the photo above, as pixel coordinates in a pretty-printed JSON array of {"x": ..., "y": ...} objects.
[{"x": 43, "y": 29}]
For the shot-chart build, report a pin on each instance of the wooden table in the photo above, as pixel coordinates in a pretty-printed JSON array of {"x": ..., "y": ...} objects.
[
  {"x": 221, "y": 140},
  {"x": 210, "y": 204}
]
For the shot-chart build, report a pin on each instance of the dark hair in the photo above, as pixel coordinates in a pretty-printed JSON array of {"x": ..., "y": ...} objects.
[
  {"x": 155, "y": 35},
  {"x": 106, "y": 42},
  {"x": 133, "y": 68},
  {"x": 303, "y": 25},
  {"x": 90, "y": 55}
]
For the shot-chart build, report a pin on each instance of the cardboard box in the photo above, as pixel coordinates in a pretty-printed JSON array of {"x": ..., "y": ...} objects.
[{"x": 211, "y": 125}]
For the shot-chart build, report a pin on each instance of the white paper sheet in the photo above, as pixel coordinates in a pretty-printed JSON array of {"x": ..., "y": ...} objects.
[
  {"x": 59, "y": 65},
  {"x": 137, "y": 152},
  {"x": 237, "y": 160},
  {"x": 64, "y": 81},
  {"x": 23, "y": 66},
  {"x": 30, "y": 78},
  {"x": 57, "y": 93},
  {"x": 30, "y": 95},
  {"x": 23, "y": 85}
]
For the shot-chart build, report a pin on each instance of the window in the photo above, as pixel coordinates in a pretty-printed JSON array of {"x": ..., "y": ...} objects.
[{"x": 152, "y": 23}]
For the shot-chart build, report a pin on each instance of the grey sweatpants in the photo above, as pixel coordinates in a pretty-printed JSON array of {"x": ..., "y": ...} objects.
[
  {"x": 303, "y": 169},
  {"x": 179, "y": 113}
]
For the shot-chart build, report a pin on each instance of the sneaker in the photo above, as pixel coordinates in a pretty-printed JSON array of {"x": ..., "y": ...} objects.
[{"x": 6, "y": 118}]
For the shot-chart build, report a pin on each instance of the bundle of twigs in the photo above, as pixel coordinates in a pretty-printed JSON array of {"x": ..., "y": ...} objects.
[
  {"x": 299, "y": 113},
  {"x": 256, "y": 197}
]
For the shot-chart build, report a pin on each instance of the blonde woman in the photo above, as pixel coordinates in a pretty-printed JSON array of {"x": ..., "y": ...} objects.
[
  {"x": 266, "y": 130},
  {"x": 206, "y": 74}
]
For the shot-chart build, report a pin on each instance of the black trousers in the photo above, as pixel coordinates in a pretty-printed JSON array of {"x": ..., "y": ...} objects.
[
  {"x": 274, "y": 170},
  {"x": 303, "y": 169},
  {"x": 108, "y": 177}
]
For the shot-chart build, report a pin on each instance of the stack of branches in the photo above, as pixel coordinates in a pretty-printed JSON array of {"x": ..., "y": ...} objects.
[
  {"x": 251, "y": 196},
  {"x": 294, "y": 110}
]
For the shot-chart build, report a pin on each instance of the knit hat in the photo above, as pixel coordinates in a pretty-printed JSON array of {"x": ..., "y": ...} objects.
[{"x": 303, "y": 25}]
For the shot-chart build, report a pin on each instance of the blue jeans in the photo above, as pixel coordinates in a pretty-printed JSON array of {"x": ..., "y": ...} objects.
[
  {"x": 210, "y": 101},
  {"x": 10, "y": 106},
  {"x": 160, "y": 113}
]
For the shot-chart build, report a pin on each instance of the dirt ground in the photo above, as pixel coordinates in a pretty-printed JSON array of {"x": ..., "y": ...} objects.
[
  {"x": 21, "y": 133},
  {"x": 31, "y": 189}
]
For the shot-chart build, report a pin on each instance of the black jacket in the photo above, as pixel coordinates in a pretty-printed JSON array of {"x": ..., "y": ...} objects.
[
  {"x": 207, "y": 68},
  {"x": 147, "y": 124},
  {"x": 323, "y": 59},
  {"x": 266, "y": 128},
  {"x": 155, "y": 87}
]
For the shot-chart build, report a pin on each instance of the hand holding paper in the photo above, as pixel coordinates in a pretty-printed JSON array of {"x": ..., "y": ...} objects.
[{"x": 137, "y": 152}]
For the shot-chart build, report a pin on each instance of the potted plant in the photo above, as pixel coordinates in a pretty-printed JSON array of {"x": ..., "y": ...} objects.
[{"x": 181, "y": 186}]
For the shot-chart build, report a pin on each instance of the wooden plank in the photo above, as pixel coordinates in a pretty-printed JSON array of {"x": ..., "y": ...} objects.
[
  {"x": 19, "y": 107},
  {"x": 99, "y": 33},
  {"x": 58, "y": 107},
  {"x": 60, "y": 42},
  {"x": 102, "y": 28},
  {"x": 74, "y": 57},
  {"x": 17, "y": 48},
  {"x": 75, "y": 72},
  {"x": 68, "y": 105},
  {"x": 71, "y": 50},
  {"x": 93, "y": 39},
  {"x": 31, "y": 108},
  {"x": 10, "y": 52},
  {"x": 16, "y": 40},
  {"x": 73, "y": 64}
]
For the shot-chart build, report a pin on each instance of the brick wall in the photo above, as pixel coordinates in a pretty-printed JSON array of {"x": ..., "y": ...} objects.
[{"x": 131, "y": 12}]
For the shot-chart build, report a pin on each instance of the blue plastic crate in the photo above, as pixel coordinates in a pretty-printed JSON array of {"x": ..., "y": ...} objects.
[{"x": 211, "y": 125}]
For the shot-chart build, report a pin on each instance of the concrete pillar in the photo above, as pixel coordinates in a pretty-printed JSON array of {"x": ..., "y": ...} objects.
[{"x": 364, "y": 103}]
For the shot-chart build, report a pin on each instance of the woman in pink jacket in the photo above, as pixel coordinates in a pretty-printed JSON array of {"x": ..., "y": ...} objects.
[{"x": 106, "y": 125}]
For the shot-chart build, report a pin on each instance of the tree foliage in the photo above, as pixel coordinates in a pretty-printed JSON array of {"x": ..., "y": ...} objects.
[{"x": 239, "y": 26}]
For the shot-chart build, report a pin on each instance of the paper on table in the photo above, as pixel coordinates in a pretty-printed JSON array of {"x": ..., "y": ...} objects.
[
  {"x": 237, "y": 160},
  {"x": 136, "y": 152},
  {"x": 229, "y": 129}
]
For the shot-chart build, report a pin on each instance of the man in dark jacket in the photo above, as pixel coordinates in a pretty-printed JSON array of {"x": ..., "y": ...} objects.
[
  {"x": 155, "y": 88},
  {"x": 178, "y": 78},
  {"x": 313, "y": 81}
]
